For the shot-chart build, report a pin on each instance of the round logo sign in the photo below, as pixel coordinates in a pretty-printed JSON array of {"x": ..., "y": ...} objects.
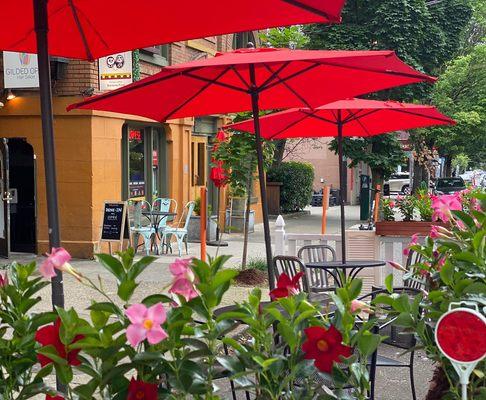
[{"x": 461, "y": 335}]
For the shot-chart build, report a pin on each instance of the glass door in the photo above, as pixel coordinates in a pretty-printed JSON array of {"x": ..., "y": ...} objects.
[{"x": 5, "y": 201}]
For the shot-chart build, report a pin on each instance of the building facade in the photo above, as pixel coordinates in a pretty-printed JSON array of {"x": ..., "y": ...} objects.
[{"x": 100, "y": 156}]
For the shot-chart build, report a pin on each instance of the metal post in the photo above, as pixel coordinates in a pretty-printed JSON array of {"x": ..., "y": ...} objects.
[
  {"x": 41, "y": 30},
  {"x": 342, "y": 177},
  {"x": 261, "y": 176}
]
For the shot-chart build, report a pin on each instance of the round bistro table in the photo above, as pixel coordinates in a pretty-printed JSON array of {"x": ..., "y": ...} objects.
[{"x": 347, "y": 269}]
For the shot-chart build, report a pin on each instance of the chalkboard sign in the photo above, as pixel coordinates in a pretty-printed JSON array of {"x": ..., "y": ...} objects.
[{"x": 115, "y": 222}]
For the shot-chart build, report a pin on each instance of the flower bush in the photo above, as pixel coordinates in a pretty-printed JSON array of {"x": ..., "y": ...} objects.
[
  {"x": 453, "y": 269},
  {"x": 387, "y": 207},
  {"x": 169, "y": 346}
]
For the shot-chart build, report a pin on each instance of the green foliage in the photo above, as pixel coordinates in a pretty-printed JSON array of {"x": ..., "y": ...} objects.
[
  {"x": 406, "y": 205},
  {"x": 287, "y": 37},
  {"x": 423, "y": 203},
  {"x": 297, "y": 179},
  {"x": 239, "y": 158},
  {"x": 197, "y": 207},
  {"x": 461, "y": 94},
  {"x": 453, "y": 269},
  {"x": 257, "y": 263},
  {"x": 387, "y": 207},
  {"x": 461, "y": 161},
  {"x": 18, "y": 324}
]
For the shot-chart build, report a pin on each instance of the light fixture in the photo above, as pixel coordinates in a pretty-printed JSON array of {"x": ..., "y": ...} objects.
[{"x": 10, "y": 95}]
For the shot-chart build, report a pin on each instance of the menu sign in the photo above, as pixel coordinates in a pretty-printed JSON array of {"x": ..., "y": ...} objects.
[
  {"x": 115, "y": 222},
  {"x": 115, "y": 71}
]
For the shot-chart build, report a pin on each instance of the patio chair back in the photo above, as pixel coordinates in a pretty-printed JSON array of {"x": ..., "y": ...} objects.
[
  {"x": 318, "y": 278},
  {"x": 135, "y": 216},
  {"x": 414, "y": 282},
  {"x": 187, "y": 214},
  {"x": 291, "y": 266},
  {"x": 165, "y": 205}
]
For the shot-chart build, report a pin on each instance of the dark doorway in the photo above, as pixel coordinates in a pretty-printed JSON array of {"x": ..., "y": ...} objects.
[{"x": 22, "y": 194}]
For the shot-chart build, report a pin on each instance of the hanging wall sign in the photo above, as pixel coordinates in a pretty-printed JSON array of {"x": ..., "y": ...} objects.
[
  {"x": 115, "y": 71},
  {"x": 461, "y": 336},
  {"x": 20, "y": 70}
]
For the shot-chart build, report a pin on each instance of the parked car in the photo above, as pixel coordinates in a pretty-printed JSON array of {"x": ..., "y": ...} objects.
[
  {"x": 449, "y": 185},
  {"x": 398, "y": 183}
]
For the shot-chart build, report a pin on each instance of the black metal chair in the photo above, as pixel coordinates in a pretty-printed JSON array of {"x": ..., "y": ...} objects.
[
  {"x": 396, "y": 338},
  {"x": 414, "y": 282},
  {"x": 291, "y": 266},
  {"x": 318, "y": 278}
]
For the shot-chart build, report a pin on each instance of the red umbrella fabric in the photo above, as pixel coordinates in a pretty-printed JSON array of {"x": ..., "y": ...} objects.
[
  {"x": 218, "y": 174},
  {"x": 89, "y": 29},
  {"x": 359, "y": 118},
  {"x": 353, "y": 117},
  {"x": 284, "y": 78},
  {"x": 255, "y": 79}
]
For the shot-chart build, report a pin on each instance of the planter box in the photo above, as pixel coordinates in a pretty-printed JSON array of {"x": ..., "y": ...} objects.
[
  {"x": 194, "y": 229},
  {"x": 405, "y": 228}
]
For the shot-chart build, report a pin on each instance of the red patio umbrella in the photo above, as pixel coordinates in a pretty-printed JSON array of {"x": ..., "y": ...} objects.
[
  {"x": 345, "y": 118},
  {"x": 89, "y": 29},
  {"x": 255, "y": 79}
]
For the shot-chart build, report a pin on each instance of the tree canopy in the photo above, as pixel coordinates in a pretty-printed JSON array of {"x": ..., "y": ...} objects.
[{"x": 424, "y": 34}]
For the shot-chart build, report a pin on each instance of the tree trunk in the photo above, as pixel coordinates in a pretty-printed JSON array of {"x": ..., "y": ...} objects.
[
  {"x": 420, "y": 175},
  {"x": 247, "y": 221},
  {"x": 439, "y": 386},
  {"x": 376, "y": 178},
  {"x": 279, "y": 152}
]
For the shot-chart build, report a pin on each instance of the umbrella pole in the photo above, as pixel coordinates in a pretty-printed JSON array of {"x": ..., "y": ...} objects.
[
  {"x": 41, "y": 29},
  {"x": 261, "y": 176},
  {"x": 342, "y": 177}
]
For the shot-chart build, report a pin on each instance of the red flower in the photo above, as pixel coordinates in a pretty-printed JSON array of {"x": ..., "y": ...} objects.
[
  {"x": 49, "y": 335},
  {"x": 54, "y": 397},
  {"x": 139, "y": 390},
  {"x": 325, "y": 347},
  {"x": 285, "y": 286}
]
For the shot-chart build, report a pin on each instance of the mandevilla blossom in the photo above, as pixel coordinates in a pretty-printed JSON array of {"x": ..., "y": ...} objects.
[
  {"x": 184, "y": 280},
  {"x": 49, "y": 336},
  {"x": 285, "y": 286},
  {"x": 413, "y": 242},
  {"x": 58, "y": 259},
  {"x": 325, "y": 347},
  {"x": 434, "y": 232},
  {"x": 139, "y": 390},
  {"x": 360, "y": 306},
  {"x": 145, "y": 324},
  {"x": 444, "y": 204},
  {"x": 397, "y": 266},
  {"x": 54, "y": 397},
  {"x": 3, "y": 279}
]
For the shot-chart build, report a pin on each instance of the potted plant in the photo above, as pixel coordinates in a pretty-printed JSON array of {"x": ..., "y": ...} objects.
[
  {"x": 194, "y": 228},
  {"x": 412, "y": 214}
]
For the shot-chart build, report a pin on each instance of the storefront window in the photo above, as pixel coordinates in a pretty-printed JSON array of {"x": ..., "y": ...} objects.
[
  {"x": 136, "y": 163},
  {"x": 144, "y": 167}
]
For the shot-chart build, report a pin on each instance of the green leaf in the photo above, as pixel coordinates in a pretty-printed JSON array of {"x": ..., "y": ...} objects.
[
  {"x": 156, "y": 298},
  {"x": 355, "y": 288},
  {"x": 112, "y": 265},
  {"x": 137, "y": 268},
  {"x": 389, "y": 283},
  {"x": 51, "y": 353},
  {"x": 126, "y": 289},
  {"x": 106, "y": 307},
  {"x": 447, "y": 272}
]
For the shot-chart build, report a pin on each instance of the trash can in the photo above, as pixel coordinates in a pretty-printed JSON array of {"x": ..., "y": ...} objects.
[{"x": 364, "y": 197}]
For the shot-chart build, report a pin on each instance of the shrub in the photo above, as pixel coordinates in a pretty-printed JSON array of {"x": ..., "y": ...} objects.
[{"x": 297, "y": 178}]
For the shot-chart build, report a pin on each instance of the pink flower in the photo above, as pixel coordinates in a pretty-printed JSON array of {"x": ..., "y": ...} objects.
[
  {"x": 475, "y": 204},
  {"x": 397, "y": 266},
  {"x": 360, "y": 306},
  {"x": 440, "y": 263},
  {"x": 56, "y": 260},
  {"x": 184, "y": 279},
  {"x": 3, "y": 279},
  {"x": 392, "y": 204},
  {"x": 434, "y": 232},
  {"x": 413, "y": 242},
  {"x": 444, "y": 204},
  {"x": 145, "y": 324}
]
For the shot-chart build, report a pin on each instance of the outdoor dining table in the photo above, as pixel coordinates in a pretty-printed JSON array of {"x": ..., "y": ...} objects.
[
  {"x": 348, "y": 268},
  {"x": 155, "y": 218}
]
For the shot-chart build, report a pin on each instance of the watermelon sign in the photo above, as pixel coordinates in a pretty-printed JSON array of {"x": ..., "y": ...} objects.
[{"x": 461, "y": 336}]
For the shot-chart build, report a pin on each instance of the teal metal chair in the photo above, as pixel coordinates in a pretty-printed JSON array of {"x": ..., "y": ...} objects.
[
  {"x": 180, "y": 230},
  {"x": 141, "y": 225},
  {"x": 165, "y": 205}
]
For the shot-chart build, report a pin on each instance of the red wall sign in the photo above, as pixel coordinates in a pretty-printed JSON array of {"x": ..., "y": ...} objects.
[{"x": 461, "y": 335}]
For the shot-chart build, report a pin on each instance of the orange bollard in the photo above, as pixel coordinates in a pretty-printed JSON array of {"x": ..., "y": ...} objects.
[
  {"x": 325, "y": 205},
  {"x": 203, "y": 215},
  {"x": 376, "y": 211}
]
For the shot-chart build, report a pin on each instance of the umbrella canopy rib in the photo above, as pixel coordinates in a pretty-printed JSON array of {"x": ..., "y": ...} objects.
[
  {"x": 310, "y": 8},
  {"x": 293, "y": 123},
  {"x": 74, "y": 11},
  {"x": 201, "y": 90}
]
